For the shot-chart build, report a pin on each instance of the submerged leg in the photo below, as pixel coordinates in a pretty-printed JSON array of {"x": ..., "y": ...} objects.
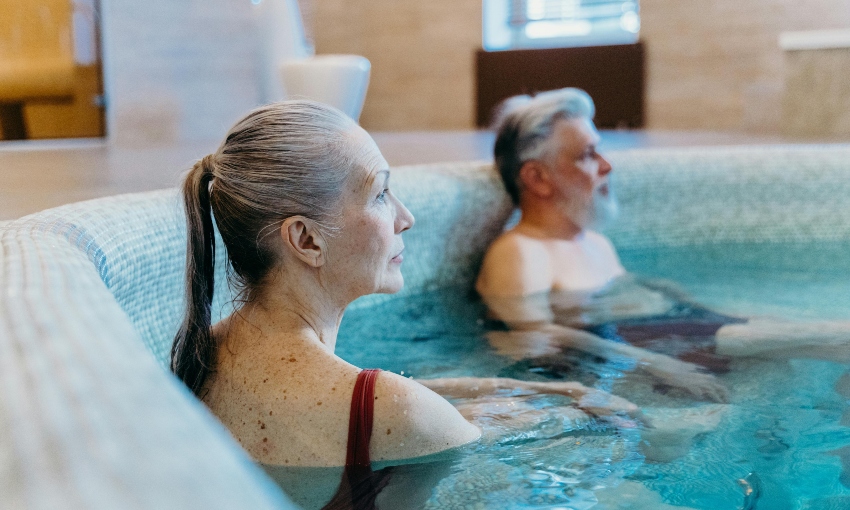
[
  {"x": 633, "y": 495},
  {"x": 842, "y": 387},
  {"x": 760, "y": 337},
  {"x": 673, "y": 430}
]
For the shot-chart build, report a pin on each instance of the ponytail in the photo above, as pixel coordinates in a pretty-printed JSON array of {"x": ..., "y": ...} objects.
[
  {"x": 284, "y": 159},
  {"x": 193, "y": 354}
]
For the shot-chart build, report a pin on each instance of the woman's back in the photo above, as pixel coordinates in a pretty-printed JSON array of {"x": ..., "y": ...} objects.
[{"x": 287, "y": 400}]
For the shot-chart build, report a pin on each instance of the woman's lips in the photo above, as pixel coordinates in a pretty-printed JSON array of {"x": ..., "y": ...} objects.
[{"x": 398, "y": 258}]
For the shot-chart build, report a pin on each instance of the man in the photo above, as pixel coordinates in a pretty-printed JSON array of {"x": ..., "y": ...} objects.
[{"x": 558, "y": 281}]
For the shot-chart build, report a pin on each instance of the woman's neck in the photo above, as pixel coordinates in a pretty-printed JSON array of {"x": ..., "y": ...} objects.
[
  {"x": 278, "y": 318},
  {"x": 276, "y": 313}
]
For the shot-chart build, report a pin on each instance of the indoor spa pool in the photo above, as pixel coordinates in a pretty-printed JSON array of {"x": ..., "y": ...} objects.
[
  {"x": 94, "y": 293},
  {"x": 778, "y": 444}
]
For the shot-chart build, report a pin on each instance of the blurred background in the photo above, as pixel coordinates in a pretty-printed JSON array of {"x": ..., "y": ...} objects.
[
  {"x": 132, "y": 92},
  {"x": 187, "y": 69}
]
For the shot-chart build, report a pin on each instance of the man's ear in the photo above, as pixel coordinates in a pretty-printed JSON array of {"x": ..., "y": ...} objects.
[
  {"x": 302, "y": 239},
  {"x": 534, "y": 176}
]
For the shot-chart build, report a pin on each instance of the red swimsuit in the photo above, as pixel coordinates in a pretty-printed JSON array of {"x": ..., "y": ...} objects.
[{"x": 360, "y": 486}]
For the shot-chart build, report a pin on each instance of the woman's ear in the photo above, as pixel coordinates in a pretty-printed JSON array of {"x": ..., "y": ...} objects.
[
  {"x": 535, "y": 178},
  {"x": 302, "y": 239}
]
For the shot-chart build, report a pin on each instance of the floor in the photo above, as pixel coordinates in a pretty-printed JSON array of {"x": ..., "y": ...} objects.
[{"x": 36, "y": 175}]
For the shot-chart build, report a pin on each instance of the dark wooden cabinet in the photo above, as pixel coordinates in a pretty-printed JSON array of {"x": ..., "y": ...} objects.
[{"x": 612, "y": 75}]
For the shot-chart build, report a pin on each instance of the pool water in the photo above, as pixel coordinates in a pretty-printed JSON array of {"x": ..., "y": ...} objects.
[{"x": 786, "y": 422}]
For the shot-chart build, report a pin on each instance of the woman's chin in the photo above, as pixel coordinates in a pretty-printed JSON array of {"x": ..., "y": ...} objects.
[{"x": 391, "y": 287}]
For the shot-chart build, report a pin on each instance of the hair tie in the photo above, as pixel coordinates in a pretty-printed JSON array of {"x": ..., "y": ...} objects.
[{"x": 207, "y": 166}]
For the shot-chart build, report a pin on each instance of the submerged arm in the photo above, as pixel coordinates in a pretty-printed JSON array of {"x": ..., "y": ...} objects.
[
  {"x": 515, "y": 281},
  {"x": 594, "y": 401},
  {"x": 672, "y": 371},
  {"x": 533, "y": 331}
]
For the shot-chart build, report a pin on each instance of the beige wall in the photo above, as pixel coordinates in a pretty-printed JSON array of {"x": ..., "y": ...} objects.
[
  {"x": 711, "y": 64},
  {"x": 422, "y": 57},
  {"x": 717, "y": 64},
  {"x": 178, "y": 70}
]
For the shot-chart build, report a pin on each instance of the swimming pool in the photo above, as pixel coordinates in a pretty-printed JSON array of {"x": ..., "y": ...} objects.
[{"x": 784, "y": 422}]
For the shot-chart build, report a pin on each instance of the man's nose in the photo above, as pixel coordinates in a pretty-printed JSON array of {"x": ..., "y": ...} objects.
[{"x": 604, "y": 167}]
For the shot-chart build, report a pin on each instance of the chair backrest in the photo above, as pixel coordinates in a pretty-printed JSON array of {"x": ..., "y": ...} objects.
[{"x": 36, "y": 49}]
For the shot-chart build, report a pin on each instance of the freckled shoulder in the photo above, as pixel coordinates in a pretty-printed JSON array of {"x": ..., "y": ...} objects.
[
  {"x": 515, "y": 265},
  {"x": 411, "y": 421}
]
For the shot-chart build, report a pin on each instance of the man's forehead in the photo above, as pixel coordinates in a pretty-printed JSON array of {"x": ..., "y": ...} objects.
[{"x": 579, "y": 131}]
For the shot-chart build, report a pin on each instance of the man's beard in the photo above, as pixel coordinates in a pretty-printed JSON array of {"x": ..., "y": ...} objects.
[{"x": 601, "y": 210}]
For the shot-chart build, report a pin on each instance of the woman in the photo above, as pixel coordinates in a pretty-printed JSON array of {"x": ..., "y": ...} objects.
[{"x": 301, "y": 197}]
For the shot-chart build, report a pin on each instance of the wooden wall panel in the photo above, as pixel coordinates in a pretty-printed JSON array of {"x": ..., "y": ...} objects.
[
  {"x": 612, "y": 75},
  {"x": 710, "y": 65}
]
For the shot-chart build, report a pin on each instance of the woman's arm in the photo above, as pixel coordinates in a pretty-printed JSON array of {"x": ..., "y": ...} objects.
[
  {"x": 593, "y": 401},
  {"x": 471, "y": 387}
]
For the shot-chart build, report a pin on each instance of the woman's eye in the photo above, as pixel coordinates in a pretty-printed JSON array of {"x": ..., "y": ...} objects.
[{"x": 383, "y": 194}]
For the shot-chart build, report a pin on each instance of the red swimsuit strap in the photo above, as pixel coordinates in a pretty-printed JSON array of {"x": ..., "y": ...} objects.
[{"x": 360, "y": 419}]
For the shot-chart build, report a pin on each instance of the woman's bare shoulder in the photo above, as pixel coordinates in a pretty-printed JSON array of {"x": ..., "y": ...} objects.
[{"x": 411, "y": 420}]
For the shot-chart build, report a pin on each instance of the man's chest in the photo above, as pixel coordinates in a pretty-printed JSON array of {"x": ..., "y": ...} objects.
[{"x": 580, "y": 268}]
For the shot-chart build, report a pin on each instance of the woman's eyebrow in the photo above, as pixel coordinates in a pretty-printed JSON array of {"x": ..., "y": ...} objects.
[{"x": 375, "y": 177}]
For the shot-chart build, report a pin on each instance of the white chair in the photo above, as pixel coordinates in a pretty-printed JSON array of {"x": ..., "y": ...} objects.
[{"x": 292, "y": 71}]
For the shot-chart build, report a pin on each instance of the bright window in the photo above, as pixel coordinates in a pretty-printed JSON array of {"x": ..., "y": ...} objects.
[{"x": 518, "y": 24}]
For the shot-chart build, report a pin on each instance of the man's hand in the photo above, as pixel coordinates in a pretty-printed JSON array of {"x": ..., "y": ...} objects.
[{"x": 688, "y": 376}]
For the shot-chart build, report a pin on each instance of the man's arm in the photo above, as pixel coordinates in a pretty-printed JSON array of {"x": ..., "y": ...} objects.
[
  {"x": 515, "y": 281},
  {"x": 527, "y": 337}
]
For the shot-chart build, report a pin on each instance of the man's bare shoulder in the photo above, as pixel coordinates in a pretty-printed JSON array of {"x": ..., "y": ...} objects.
[
  {"x": 600, "y": 240},
  {"x": 515, "y": 265},
  {"x": 516, "y": 244},
  {"x": 605, "y": 250}
]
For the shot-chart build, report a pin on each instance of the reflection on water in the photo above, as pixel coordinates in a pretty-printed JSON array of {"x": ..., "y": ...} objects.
[
  {"x": 555, "y": 458},
  {"x": 410, "y": 483},
  {"x": 786, "y": 421}
]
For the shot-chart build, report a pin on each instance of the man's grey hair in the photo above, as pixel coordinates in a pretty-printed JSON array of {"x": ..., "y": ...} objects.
[{"x": 524, "y": 126}]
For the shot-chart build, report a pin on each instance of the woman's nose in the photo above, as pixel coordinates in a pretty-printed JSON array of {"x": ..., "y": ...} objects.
[{"x": 403, "y": 218}]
